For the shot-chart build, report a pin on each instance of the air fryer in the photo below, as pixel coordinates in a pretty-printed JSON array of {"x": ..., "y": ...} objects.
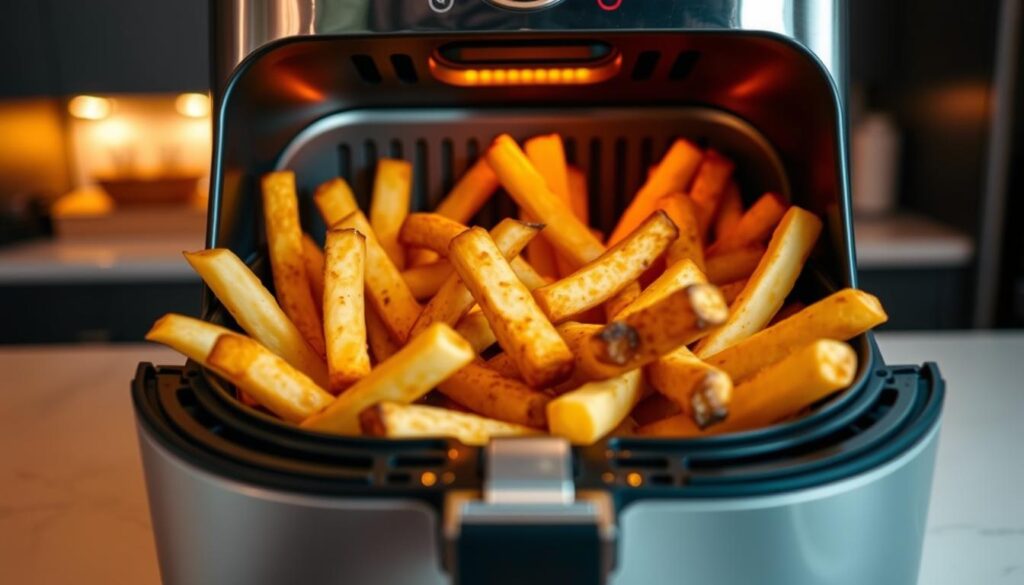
[{"x": 837, "y": 496}]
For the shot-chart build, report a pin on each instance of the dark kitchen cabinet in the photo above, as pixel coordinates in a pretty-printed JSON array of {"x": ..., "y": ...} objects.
[{"x": 64, "y": 47}]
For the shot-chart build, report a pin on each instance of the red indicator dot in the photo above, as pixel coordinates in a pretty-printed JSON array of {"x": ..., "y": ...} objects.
[{"x": 609, "y": 5}]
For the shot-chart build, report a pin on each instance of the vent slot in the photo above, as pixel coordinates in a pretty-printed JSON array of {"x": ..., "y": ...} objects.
[
  {"x": 420, "y": 176},
  {"x": 366, "y": 68},
  {"x": 345, "y": 162},
  {"x": 645, "y": 64},
  {"x": 404, "y": 68},
  {"x": 447, "y": 170},
  {"x": 417, "y": 461},
  {"x": 683, "y": 65}
]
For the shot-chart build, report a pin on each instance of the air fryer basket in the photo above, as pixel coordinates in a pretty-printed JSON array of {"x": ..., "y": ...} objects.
[{"x": 332, "y": 106}]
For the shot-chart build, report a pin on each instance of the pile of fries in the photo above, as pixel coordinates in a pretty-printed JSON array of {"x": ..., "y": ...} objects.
[{"x": 415, "y": 324}]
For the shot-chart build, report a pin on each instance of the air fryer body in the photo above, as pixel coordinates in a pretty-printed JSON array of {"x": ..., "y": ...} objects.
[{"x": 326, "y": 88}]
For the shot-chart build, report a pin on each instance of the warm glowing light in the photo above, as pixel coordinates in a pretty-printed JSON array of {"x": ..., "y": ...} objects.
[
  {"x": 428, "y": 478},
  {"x": 90, "y": 107},
  {"x": 634, "y": 479},
  {"x": 453, "y": 454},
  {"x": 114, "y": 132},
  {"x": 193, "y": 105},
  {"x": 534, "y": 76},
  {"x": 608, "y": 477}
]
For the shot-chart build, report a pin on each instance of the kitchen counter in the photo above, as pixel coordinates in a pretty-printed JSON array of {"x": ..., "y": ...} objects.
[{"x": 73, "y": 504}]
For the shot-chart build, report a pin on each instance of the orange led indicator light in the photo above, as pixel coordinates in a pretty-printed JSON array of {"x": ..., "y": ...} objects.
[{"x": 524, "y": 75}]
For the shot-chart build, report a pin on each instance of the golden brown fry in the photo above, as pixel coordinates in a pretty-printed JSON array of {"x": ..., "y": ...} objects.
[
  {"x": 755, "y": 226},
  {"x": 672, "y": 175},
  {"x": 520, "y": 326},
  {"x": 270, "y": 380},
  {"x": 732, "y": 290},
  {"x": 526, "y": 186},
  {"x": 784, "y": 388},
  {"x": 842, "y": 315},
  {"x": 255, "y": 309},
  {"x": 344, "y": 309},
  {"x": 425, "y": 280},
  {"x": 427, "y": 360},
  {"x": 730, "y": 210},
  {"x": 194, "y": 338},
  {"x": 313, "y": 257},
  {"x": 689, "y": 245},
  {"x": 381, "y": 343},
  {"x": 771, "y": 282},
  {"x": 701, "y": 390},
  {"x": 284, "y": 244},
  {"x": 385, "y": 287},
  {"x": 652, "y": 332},
  {"x": 656, "y": 407},
  {"x": 735, "y": 265},
  {"x": 430, "y": 231},
  {"x": 453, "y": 299},
  {"x": 579, "y": 199},
  {"x": 676, "y": 277},
  {"x": 530, "y": 278},
  {"x": 335, "y": 200},
  {"x": 709, "y": 187},
  {"x": 390, "y": 204},
  {"x": 413, "y": 421},
  {"x": 504, "y": 365},
  {"x": 470, "y": 193},
  {"x": 475, "y": 329},
  {"x": 487, "y": 392},
  {"x": 594, "y": 409},
  {"x": 606, "y": 276},
  {"x": 547, "y": 154}
]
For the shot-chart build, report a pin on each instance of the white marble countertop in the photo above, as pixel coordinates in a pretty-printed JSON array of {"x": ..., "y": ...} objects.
[{"x": 73, "y": 504}]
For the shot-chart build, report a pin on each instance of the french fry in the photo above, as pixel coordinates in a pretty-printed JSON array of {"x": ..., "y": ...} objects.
[
  {"x": 522, "y": 329},
  {"x": 189, "y": 336},
  {"x": 654, "y": 408},
  {"x": 271, "y": 381},
  {"x": 754, "y": 227},
  {"x": 701, "y": 390},
  {"x": 344, "y": 309},
  {"x": 526, "y": 186},
  {"x": 392, "y": 187},
  {"x": 385, "y": 287},
  {"x": 504, "y": 365},
  {"x": 412, "y": 421},
  {"x": 591, "y": 411},
  {"x": 453, "y": 299},
  {"x": 676, "y": 277},
  {"x": 475, "y": 329},
  {"x": 313, "y": 257},
  {"x": 678, "y": 319},
  {"x": 284, "y": 243},
  {"x": 486, "y": 392},
  {"x": 335, "y": 200},
  {"x": 626, "y": 296},
  {"x": 842, "y": 315},
  {"x": 425, "y": 280},
  {"x": 802, "y": 378},
  {"x": 382, "y": 345},
  {"x": 735, "y": 265},
  {"x": 547, "y": 154},
  {"x": 529, "y": 276},
  {"x": 255, "y": 309},
  {"x": 732, "y": 290},
  {"x": 430, "y": 231},
  {"x": 771, "y": 282},
  {"x": 730, "y": 210},
  {"x": 709, "y": 187},
  {"x": 606, "y": 276},
  {"x": 427, "y": 360},
  {"x": 470, "y": 193},
  {"x": 579, "y": 199},
  {"x": 466, "y": 198},
  {"x": 689, "y": 245},
  {"x": 672, "y": 175}
]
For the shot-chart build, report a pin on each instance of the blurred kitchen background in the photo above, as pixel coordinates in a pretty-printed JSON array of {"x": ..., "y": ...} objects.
[{"x": 105, "y": 137}]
